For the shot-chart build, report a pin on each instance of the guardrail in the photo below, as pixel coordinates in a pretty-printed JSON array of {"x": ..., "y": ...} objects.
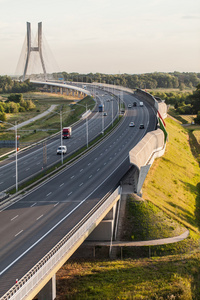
[{"x": 30, "y": 280}]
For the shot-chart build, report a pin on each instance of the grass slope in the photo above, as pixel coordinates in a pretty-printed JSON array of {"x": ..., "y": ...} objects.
[
  {"x": 173, "y": 181},
  {"x": 171, "y": 277}
]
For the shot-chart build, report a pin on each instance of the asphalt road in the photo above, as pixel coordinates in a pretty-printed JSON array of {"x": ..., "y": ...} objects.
[
  {"x": 31, "y": 162},
  {"x": 33, "y": 225}
]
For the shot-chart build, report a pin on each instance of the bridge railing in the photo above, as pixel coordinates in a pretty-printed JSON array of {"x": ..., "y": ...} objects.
[{"x": 38, "y": 273}]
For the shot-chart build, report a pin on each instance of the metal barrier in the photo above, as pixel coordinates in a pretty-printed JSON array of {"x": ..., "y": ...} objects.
[{"x": 31, "y": 279}]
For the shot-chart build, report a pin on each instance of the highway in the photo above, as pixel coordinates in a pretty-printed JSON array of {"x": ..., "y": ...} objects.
[
  {"x": 36, "y": 222},
  {"x": 31, "y": 162}
]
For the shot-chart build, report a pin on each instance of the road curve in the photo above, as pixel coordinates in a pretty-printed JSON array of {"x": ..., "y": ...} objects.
[{"x": 31, "y": 227}]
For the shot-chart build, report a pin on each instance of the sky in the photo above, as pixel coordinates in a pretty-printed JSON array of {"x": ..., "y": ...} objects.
[{"x": 105, "y": 36}]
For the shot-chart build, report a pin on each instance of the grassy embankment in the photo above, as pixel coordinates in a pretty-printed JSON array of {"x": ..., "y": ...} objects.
[{"x": 172, "y": 194}]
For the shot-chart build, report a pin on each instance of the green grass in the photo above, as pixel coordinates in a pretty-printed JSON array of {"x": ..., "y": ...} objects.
[
  {"x": 174, "y": 277},
  {"x": 148, "y": 222},
  {"x": 197, "y": 136},
  {"x": 173, "y": 181}
]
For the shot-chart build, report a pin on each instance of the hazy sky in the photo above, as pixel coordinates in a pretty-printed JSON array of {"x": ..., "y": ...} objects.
[{"x": 107, "y": 36}]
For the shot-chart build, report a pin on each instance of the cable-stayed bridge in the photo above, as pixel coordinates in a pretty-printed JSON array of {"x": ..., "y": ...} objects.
[{"x": 36, "y": 60}]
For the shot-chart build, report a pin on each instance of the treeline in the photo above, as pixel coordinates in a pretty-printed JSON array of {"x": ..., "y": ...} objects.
[
  {"x": 7, "y": 85},
  {"x": 184, "y": 103},
  {"x": 148, "y": 80},
  {"x": 14, "y": 104}
]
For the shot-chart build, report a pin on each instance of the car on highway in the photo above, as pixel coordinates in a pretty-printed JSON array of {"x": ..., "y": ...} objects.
[
  {"x": 129, "y": 106},
  {"x": 141, "y": 126},
  {"x": 134, "y": 103},
  {"x": 62, "y": 150},
  {"x": 131, "y": 124},
  {"x": 105, "y": 113}
]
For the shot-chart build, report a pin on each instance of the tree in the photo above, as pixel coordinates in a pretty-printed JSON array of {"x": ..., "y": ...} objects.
[
  {"x": 195, "y": 100},
  {"x": 3, "y": 117},
  {"x": 197, "y": 119}
]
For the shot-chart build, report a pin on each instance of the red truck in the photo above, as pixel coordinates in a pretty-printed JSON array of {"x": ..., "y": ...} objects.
[{"x": 67, "y": 132}]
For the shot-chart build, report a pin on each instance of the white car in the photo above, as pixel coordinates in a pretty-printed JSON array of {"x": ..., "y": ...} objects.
[
  {"x": 129, "y": 106},
  {"x": 131, "y": 124},
  {"x": 62, "y": 150}
]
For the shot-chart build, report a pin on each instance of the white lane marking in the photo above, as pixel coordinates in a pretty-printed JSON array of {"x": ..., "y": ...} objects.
[
  {"x": 104, "y": 163},
  {"x": 98, "y": 170},
  {"x": 39, "y": 217},
  {"x": 89, "y": 164},
  {"x": 66, "y": 216},
  {"x": 72, "y": 177},
  {"x": 33, "y": 204},
  {"x": 95, "y": 158},
  {"x": 61, "y": 184},
  {"x": 90, "y": 176},
  {"x": 14, "y": 217},
  {"x": 81, "y": 170},
  {"x": 81, "y": 184},
  {"x": 69, "y": 193},
  {"x": 48, "y": 194},
  {"x": 1, "y": 182},
  {"x": 27, "y": 169},
  {"x": 56, "y": 204},
  {"x": 38, "y": 163},
  {"x": 18, "y": 233}
]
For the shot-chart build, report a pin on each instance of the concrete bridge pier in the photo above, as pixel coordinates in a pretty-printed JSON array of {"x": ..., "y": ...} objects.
[
  {"x": 48, "y": 291},
  {"x": 105, "y": 230}
]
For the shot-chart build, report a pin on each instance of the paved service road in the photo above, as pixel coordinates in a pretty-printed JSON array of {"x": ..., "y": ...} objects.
[{"x": 33, "y": 225}]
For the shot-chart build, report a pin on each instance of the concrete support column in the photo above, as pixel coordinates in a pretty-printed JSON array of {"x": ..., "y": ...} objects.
[
  {"x": 73, "y": 93},
  {"x": 51, "y": 89},
  {"x": 61, "y": 90},
  {"x": 104, "y": 231},
  {"x": 48, "y": 291}
]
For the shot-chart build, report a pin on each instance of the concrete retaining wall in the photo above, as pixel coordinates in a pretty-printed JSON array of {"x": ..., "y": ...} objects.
[{"x": 152, "y": 145}]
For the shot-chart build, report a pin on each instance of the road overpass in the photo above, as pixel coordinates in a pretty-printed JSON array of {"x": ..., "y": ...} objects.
[{"x": 33, "y": 222}]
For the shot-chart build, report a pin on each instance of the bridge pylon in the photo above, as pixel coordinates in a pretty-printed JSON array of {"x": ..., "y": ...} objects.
[{"x": 37, "y": 49}]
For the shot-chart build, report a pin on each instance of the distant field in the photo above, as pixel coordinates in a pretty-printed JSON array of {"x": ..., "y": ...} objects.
[
  {"x": 189, "y": 118},
  {"x": 168, "y": 90}
]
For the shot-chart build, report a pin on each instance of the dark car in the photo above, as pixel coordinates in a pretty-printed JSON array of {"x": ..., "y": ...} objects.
[
  {"x": 134, "y": 103},
  {"x": 141, "y": 126}
]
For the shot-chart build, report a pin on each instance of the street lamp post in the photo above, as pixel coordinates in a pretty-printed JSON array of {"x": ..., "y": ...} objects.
[
  {"x": 86, "y": 107},
  {"x": 16, "y": 149},
  {"x": 61, "y": 141}
]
